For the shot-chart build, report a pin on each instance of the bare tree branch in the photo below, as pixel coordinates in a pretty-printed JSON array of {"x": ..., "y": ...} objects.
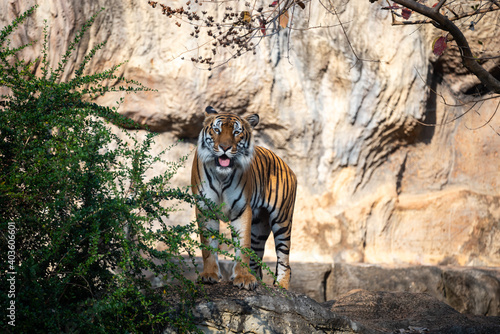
[
  {"x": 242, "y": 27},
  {"x": 454, "y": 18},
  {"x": 488, "y": 121},
  {"x": 468, "y": 60}
]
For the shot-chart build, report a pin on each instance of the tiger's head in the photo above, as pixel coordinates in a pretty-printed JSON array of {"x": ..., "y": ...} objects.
[{"x": 226, "y": 141}]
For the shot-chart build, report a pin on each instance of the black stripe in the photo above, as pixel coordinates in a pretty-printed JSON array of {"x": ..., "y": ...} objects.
[
  {"x": 283, "y": 230},
  {"x": 286, "y": 238},
  {"x": 237, "y": 200},
  {"x": 230, "y": 181},
  {"x": 276, "y": 193},
  {"x": 198, "y": 170},
  {"x": 210, "y": 181},
  {"x": 239, "y": 181},
  {"x": 279, "y": 232},
  {"x": 285, "y": 186},
  {"x": 239, "y": 214},
  {"x": 263, "y": 237},
  {"x": 256, "y": 178},
  {"x": 282, "y": 264},
  {"x": 260, "y": 237},
  {"x": 285, "y": 251},
  {"x": 281, "y": 245},
  {"x": 278, "y": 219}
]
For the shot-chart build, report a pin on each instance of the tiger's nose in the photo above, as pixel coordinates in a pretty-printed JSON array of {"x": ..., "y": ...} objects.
[{"x": 224, "y": 148}]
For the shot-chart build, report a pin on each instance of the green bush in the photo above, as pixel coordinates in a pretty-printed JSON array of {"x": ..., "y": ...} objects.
[
  {"x": 79, "y": 220},
  {"x": 76, "y": 211}
]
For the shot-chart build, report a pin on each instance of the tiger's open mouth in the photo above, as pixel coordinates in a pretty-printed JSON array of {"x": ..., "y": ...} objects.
[{"x": 224, "y": 161}]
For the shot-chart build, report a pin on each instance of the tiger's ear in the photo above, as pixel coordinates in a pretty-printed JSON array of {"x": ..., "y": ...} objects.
[
  {"x": 210, "y": 110},
  {"x": 253, "y": 120}
]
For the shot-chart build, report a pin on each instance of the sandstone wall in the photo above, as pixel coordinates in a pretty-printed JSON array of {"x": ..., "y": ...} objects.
[{"x": 375, "y": 185}]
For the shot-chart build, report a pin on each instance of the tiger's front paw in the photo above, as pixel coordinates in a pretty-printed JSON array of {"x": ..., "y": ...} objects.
[
  {"x": 247, "y": 281},
  {"x": 209, "y": 278}
]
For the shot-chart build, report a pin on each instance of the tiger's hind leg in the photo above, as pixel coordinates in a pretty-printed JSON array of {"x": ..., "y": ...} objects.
[{"x": 260, "y": 233}]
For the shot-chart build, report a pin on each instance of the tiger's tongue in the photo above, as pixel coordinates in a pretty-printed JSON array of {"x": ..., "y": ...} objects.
[{"x": 224, "y": 162}]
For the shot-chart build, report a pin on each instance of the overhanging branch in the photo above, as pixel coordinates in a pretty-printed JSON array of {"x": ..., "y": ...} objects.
[
  {"x": 454, "y": 18},
  {"x": 444, "y": 23}
]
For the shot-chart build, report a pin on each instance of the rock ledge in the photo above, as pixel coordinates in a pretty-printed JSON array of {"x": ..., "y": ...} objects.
[{"x": 230, "y": 310}]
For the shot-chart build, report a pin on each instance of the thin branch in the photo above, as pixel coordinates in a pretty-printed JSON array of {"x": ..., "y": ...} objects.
[
  {"x": 439, "y": 5},
  {"x": 488, "y": 121},
  {"x": 461, "y": 104},
  {"x": 318, "y": 27},
  {"x": 447, "y": 122},
  {"x": 496, "y": 3},
  {"x": 455, "y": 18},
  {"x": 333, "y": 11}
]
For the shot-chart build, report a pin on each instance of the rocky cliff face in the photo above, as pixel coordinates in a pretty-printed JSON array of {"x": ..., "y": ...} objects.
[{"x": 375, "y": 185}]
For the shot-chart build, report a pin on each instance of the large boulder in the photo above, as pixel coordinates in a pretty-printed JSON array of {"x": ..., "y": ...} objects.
[
  {"x": 467, "y": 290},
  {"x": 405, "y": 312}
]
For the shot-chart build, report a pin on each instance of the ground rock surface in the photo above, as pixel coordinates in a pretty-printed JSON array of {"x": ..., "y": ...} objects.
[
  {"x": 226, "y": 309},
  {"x": 469, "y": 290}
]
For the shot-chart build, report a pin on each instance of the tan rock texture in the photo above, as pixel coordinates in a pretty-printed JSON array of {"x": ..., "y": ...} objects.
[{"x": 375, "y": 185}]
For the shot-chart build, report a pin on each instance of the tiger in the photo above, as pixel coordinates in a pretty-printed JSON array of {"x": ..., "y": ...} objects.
[{"x": 258, "y": 190}]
